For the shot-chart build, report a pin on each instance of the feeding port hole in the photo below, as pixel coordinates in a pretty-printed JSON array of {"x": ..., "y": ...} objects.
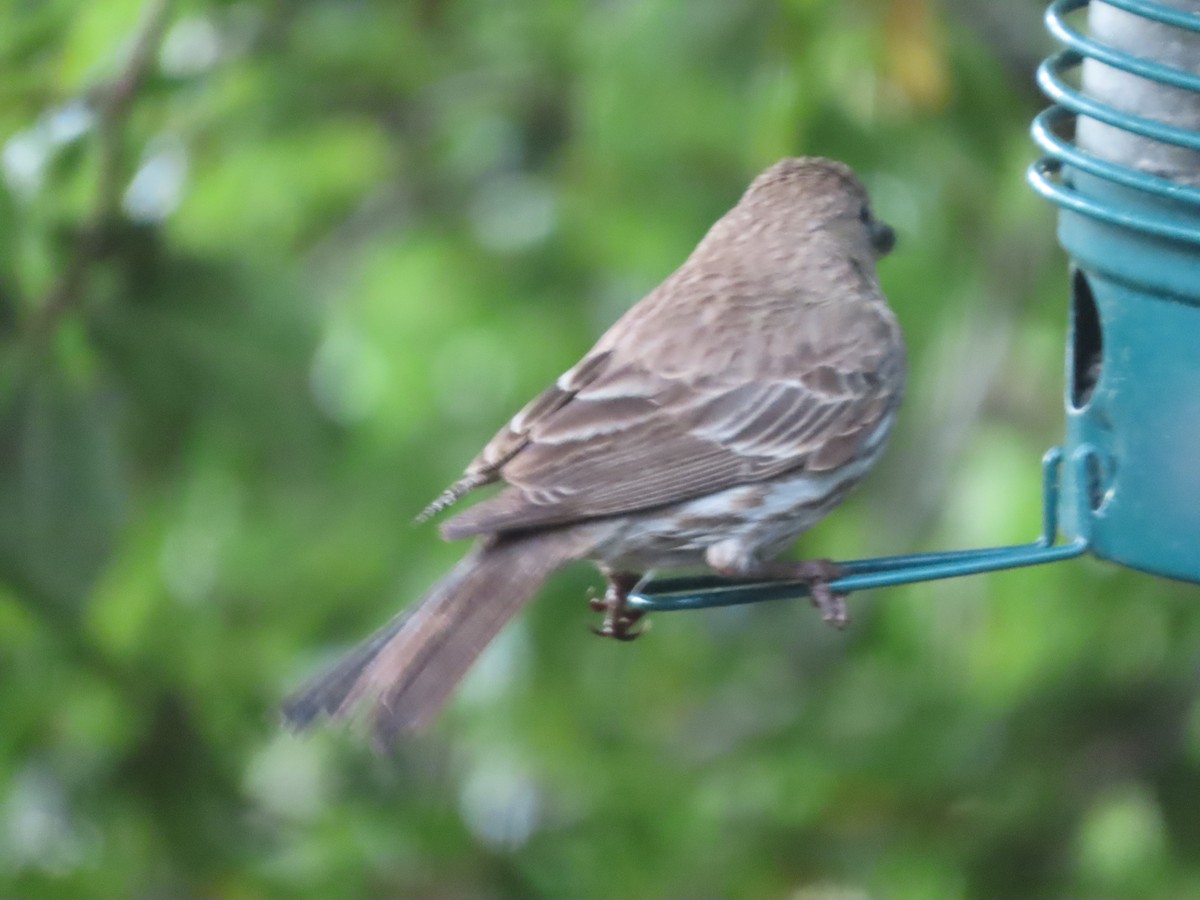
[{"x": 1087, "y": 341}]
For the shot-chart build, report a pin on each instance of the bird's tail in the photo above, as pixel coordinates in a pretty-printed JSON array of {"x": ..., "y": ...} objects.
[{"x": 406, "y": 672}]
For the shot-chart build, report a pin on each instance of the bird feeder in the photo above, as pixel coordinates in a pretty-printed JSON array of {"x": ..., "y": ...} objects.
[{"x": 1125, "y": 484}]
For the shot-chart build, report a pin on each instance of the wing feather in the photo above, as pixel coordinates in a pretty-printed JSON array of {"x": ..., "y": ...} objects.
[{"x": 633, "y": 439}]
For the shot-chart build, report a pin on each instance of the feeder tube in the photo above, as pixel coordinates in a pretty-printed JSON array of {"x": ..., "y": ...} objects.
[{"x": 1161, "y": 43}]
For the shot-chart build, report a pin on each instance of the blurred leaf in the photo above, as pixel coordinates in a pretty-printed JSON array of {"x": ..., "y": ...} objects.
[
  {"x": 97, "y": 37},
  {"x": 1122, "y": 843},
  {"x": 273, "y": 188},
  {"x": 62, "y": 484},
  {"x": 198, "y": 342}
]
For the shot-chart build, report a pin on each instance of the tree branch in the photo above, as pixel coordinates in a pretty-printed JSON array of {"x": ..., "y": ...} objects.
[{"x": 113, "y": 102}]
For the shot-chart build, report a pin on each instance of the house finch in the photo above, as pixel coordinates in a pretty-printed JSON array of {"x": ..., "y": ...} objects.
[{"x": 719, "y": 418}]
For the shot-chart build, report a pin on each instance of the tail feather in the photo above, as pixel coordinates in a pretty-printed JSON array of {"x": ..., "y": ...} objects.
[
  {"x": 406, "y": 672},
  {"x": 325, "y": 694}
]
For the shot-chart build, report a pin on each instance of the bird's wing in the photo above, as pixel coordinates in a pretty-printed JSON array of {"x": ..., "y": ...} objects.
[
  {"x": 513, "y": 437},
  {"x": 633, "y": 439}
]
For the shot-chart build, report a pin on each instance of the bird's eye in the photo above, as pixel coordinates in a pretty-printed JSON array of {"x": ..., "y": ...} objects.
[{"x": 864, "y": 214}]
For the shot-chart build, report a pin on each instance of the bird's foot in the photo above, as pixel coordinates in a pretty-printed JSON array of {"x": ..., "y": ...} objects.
[
  {"x": 619, "y": 619},
  {"x": 830, "y": 604},
  {"x": 816, "y": 574}
]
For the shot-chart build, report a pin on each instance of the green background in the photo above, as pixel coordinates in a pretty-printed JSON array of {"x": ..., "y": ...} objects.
[{"x": 261, "y": 307}]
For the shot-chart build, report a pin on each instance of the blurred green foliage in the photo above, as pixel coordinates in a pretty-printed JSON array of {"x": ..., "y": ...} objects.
[{"x": 261, "y": 307}]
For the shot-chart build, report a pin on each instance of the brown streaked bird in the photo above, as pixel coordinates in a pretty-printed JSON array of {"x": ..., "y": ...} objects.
[{"x": 717, "y": 420}]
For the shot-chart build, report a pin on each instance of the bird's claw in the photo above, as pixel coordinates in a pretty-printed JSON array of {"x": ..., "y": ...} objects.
[
  {"x": 831, "y": 605},
  {"x": 597, "y": 604},
  {"x": 621, "y": 629},
  {"x": 619, "y": 619}
]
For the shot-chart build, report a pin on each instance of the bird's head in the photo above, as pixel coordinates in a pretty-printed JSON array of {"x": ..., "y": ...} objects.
[{"x": 809, "y": 194}]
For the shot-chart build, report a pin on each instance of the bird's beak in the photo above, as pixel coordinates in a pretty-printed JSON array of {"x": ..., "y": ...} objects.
[{"x": 883, "y": 238}]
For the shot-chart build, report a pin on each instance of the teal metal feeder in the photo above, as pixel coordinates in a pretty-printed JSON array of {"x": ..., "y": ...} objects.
[{"x": 1125, "y": 485}]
